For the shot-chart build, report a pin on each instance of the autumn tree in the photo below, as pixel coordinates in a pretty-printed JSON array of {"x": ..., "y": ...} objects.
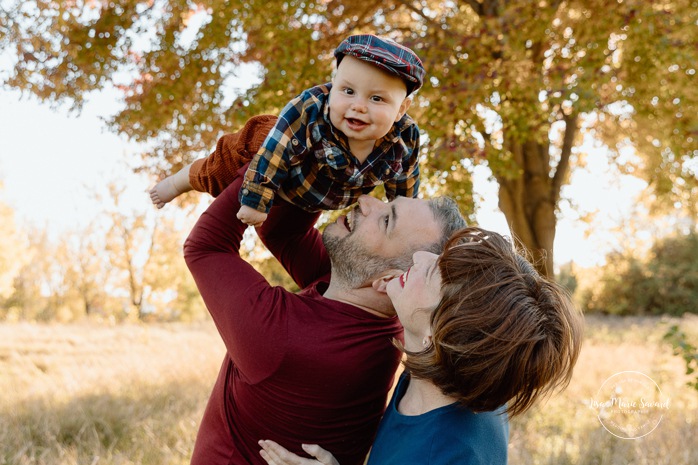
[
  {"x": 88, "y": 270},
  {"x": 37, "y": 285},
  {"x": 61, "y": 278},
  {"x": 11, "y": 248},
  {"x": 144, "y": 250},
  {"x": 124, "y": 264},
  {"x": 172, "y": 291},
  {"x": 129, "y": 242},
  {"x": 512, "y": 84}
]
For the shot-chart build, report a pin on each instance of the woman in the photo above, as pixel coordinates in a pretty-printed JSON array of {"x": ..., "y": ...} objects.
[{"x": 485, "y": 337}]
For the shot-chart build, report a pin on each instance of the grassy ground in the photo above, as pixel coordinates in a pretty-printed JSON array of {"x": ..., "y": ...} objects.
[
  {"x": 566, "y": 430},
  {"x": 87, "y": 394},
  {"x": 99, "y": 395}
]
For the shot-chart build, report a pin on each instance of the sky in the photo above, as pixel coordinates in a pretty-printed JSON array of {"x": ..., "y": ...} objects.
[{"x": 52, "y": 162}]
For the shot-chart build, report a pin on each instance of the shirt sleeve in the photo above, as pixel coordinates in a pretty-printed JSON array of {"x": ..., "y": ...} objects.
[
  {"x": 269, "y": 167},
  {"x": 289, "y": 233},
  {"x": 241, "y": 302},
  {"x": 407, "y": 183}
]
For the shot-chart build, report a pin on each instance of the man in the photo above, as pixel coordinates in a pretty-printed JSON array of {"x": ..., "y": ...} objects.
[{"x": 315, "y": 365}]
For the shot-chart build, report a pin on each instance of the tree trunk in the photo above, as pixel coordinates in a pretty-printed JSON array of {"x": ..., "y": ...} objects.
[
  {"x": 529, "y": 200},
  {"x": 528, "y": 207}
]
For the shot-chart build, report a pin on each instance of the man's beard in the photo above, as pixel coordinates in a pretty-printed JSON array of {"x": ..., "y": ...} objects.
[{"x": 353, "y": 266}]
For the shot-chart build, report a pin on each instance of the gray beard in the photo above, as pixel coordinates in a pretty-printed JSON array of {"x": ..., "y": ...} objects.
[{"x": 353, "y": 266}]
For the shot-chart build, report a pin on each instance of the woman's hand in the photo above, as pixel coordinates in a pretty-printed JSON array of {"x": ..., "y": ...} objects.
[{"x": 274, "y": 454}]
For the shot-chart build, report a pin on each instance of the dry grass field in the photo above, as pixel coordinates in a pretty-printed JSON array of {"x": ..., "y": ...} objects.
[{"x": 133, "y": 394}]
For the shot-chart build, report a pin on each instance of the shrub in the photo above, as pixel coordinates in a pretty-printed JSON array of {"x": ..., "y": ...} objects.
[{"x": 665, "y": 282}]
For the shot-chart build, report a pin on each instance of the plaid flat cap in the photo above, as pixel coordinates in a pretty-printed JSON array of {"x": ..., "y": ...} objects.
[{"x": 387, "y": 55}]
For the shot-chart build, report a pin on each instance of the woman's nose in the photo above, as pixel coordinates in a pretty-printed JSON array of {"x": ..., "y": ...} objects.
[
  {"x": 417, "y": 257},
  {"x": 423, "y": 256}
]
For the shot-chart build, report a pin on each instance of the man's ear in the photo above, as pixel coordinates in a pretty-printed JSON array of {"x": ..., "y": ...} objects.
[
  {"x": 381, "y": 283},
  {"x": 404, "y": 106}
]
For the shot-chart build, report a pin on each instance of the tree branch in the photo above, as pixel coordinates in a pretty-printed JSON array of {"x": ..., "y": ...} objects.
[
  {"x": 408, "y": 4},
  {"x": 563, "y": 165},
  {"x": 555, "y": 5},
  {"x": 361, "y": 17},
  {"x": 475, "y": 6}
]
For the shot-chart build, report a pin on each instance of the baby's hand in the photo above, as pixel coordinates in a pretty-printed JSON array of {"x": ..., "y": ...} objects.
[{"x": 250, "y": 216}]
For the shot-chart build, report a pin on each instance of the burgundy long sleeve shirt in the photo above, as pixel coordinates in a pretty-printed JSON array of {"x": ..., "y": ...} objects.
[{"x": 299, "y": 368}]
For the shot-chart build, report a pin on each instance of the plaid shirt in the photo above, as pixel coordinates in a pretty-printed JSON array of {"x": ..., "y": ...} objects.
[{"x": 310, "y": 162}]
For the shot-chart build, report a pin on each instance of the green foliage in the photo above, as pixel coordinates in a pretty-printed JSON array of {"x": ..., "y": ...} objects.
[
  {"x": 566, "y": 277},
  {"x": 665, "y": 282},
  {"x": 685, "y": 350},
  {"x": 509, "y": 83}
]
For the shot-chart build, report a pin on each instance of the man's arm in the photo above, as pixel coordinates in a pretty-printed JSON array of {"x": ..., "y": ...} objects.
[
  {"x": 290, "y": 235},
  {"x": 242, "y": 303}
]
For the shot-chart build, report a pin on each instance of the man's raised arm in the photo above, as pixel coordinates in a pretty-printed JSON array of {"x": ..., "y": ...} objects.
[{"x": 242, "y": 303}]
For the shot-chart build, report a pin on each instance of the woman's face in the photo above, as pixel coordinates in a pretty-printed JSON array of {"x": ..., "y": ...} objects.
[{"x": 416, "y": 293}]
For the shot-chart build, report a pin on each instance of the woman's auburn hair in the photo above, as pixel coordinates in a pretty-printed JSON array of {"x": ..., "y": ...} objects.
[{"x": 501, "y": 334}]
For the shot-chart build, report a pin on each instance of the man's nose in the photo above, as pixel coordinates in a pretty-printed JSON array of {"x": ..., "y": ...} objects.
[{"x": 368, "y": 203}]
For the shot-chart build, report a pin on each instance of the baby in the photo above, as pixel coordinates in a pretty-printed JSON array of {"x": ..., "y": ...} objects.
[{"x": 331, "y": 144}]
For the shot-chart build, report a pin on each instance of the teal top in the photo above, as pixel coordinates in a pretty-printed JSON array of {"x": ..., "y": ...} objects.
[{"x": 448, "y": 435}]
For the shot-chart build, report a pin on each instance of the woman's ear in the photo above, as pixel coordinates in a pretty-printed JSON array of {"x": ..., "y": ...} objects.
[{"x": 380, "y": 284}]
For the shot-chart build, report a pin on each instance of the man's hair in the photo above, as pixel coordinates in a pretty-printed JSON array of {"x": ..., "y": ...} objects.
[
  {"x": 449, "y": 218},
  {"x": 501, "y": 332}
]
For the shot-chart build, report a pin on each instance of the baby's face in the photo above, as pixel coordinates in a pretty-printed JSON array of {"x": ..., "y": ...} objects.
[{"x": 366, "y": 101}]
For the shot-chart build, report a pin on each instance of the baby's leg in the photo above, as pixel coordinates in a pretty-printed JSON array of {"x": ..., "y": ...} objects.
[
  {"x": 214, "y": 173},
  {"x": 217, "y": 171},
  {"x": 170, "y": 187}
]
